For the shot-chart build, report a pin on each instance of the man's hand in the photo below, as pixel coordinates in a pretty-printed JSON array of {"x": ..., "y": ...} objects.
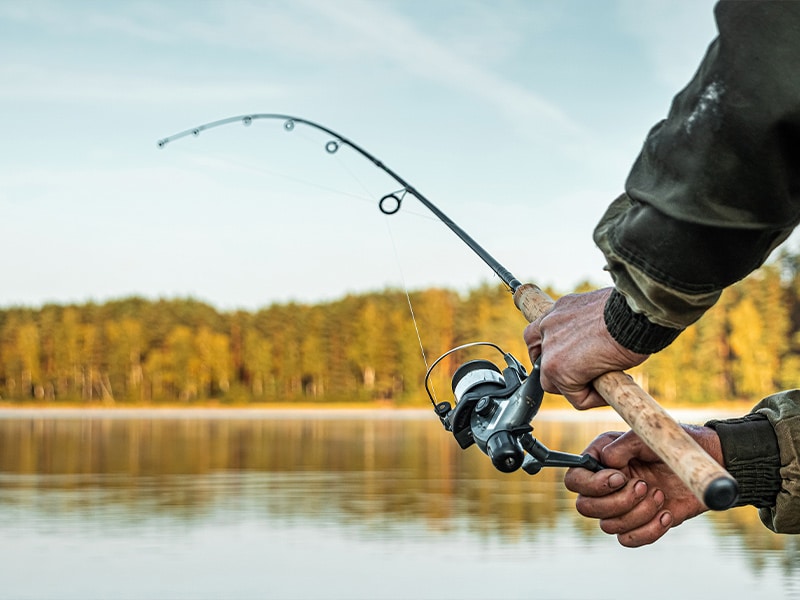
[
  {"x": 637, "y": 497},
  {"x": 576, "y": 348}
]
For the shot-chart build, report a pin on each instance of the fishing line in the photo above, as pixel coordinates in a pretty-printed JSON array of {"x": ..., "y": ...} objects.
[
  {"x": 389, "y": 204},
  {"x": 370, "y": 195},
  {"x": 397, "y": 261},
  {"x": 408, "y": 299},
  {"x": 257, "y": 168},
  {"x": 254, "y": 168}
]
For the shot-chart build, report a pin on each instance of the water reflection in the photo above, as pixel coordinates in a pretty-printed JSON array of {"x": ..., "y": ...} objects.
[
  {"x": 359, "y": 468},
  {"x": 325, "y": 479}
]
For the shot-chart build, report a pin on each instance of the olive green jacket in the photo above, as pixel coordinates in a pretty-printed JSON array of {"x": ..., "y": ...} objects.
[
  {"x": 714, "y": 190},
  {"x": 716, "y": 186}
]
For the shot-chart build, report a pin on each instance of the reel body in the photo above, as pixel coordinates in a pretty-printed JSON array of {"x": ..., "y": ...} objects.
[{"x": 494, "y": 410}]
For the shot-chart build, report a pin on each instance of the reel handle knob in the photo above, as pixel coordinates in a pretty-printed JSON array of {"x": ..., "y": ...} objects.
[{"x": 505, "y": 451}]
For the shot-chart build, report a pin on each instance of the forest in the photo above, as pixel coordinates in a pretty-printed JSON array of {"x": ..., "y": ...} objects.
[{"x": 364, "y": 349}]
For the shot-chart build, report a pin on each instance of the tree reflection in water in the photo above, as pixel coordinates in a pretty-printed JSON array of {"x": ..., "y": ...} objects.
[{"x": 379, "y": 472}]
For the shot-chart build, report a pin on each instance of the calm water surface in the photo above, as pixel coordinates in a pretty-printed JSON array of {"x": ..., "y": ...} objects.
[{"x": 350, "y": 505}]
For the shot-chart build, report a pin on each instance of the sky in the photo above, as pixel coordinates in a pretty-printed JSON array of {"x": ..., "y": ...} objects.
[{"x": 518, "y": 119}]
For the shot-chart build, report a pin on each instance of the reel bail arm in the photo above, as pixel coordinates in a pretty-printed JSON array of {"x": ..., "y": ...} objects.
[{"x": 494, "y": 410}]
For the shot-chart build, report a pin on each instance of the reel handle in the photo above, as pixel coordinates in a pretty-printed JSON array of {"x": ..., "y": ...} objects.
[{"x": 706, "y": 478}]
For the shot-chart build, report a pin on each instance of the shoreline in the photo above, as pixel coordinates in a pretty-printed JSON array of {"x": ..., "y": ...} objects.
[{"x": 289, "y": 411}]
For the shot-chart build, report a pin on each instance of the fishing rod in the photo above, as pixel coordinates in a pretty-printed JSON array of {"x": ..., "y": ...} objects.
[
  {"x": 494, "y": 408},
  {"x": 388, "y": 204}
]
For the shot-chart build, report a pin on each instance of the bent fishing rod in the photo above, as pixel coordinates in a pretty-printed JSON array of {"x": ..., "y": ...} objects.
[
  {"x": 487, "y": 402},
  {"x": 388, "y": 204}
]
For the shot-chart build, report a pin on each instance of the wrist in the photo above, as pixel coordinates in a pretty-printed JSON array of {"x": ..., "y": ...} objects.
[{"x": 633, "y": 330}]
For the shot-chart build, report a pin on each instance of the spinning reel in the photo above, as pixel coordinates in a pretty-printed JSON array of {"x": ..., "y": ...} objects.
[{"x": 494, "y": 410}]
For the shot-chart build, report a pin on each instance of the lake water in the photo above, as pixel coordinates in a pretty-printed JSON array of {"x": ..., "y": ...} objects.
[{"x": 332, "y": 505}]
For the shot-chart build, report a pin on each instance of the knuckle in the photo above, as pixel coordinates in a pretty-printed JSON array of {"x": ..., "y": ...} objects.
[
  {"x": 611, "y": 527},
  {"x": 570, "y": 480},
  {"x": 585, "y": 507}
]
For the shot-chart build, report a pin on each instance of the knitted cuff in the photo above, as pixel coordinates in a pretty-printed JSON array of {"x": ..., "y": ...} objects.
[
  {"x": 751, "y": 454},
  {"x": 633, "y": 330}
]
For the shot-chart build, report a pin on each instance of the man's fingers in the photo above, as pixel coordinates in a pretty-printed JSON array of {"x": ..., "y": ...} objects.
[
  {"x": 533, "y": 339},
  {"x": 648, "y": 533},
  {"x": 620, "y": 504},
  {"x": 585, "y": 399},
  {"x": 623, "y": 449},
  {"x": 588, "y": 483},
  {"x": 581, "y": 396},
  {"x": 641, "y": 508}
]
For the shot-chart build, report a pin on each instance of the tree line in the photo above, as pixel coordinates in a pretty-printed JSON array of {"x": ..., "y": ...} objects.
[{"x": 364, "y": 348}]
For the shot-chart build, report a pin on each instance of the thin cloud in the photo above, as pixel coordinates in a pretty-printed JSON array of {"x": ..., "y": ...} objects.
[
  {"x": 671, "y": 35},
  {"x": 335, "y": 33},
  {"x": 36, "y": 83},
  {"x": 148, "y": 22},
  {"x": 395, "y": 38}
]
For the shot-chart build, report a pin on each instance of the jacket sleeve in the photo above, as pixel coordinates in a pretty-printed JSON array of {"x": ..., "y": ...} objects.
[
  {"x": 783, "y": 412},
  {"x": 762, "y": 452},
  {"x": 716, "y": 186}
]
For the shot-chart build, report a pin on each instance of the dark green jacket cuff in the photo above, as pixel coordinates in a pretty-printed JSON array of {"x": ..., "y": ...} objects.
[
  {"x": 751, "y": 455},
  {"x": 633, "y": 330}
]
